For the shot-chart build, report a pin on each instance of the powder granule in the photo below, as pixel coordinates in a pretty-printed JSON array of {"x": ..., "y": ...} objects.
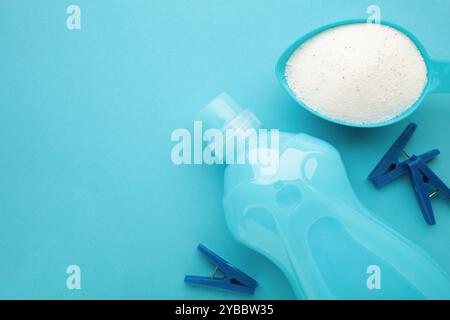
[{"x": 358, "y": 73}]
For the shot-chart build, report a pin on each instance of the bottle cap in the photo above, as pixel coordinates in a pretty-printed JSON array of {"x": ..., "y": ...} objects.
[{"x": 224, "y": 114}]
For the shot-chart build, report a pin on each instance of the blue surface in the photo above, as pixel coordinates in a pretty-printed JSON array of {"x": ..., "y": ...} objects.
[{"x": 85, "y": 121}]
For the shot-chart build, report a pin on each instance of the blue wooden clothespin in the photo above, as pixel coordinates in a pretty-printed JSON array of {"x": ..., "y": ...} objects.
[
  {"x": 426, "y": 183},
  {"x": 233, "y": 280}
]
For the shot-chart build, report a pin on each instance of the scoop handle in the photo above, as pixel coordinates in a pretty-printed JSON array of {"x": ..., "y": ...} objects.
[{"x": 441, "y": 75}]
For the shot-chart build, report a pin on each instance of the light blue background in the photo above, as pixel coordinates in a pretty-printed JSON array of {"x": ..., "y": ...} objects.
[{"x": 85, "y": 123}]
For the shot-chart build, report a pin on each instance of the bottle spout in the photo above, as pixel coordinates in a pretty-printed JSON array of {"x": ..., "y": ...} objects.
[
  {"x": 224, "y": 113},
  {"x": 230, "y": 122}
]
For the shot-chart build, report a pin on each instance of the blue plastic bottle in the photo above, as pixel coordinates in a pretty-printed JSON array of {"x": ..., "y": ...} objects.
[{"x": 306, "y": 218}]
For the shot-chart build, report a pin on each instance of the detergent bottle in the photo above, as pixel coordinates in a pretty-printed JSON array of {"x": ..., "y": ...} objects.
[{"x": 304, "y": 216}]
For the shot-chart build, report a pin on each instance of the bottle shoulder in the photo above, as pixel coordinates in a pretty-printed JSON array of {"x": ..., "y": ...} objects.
[{"x": 292, "y": 158}]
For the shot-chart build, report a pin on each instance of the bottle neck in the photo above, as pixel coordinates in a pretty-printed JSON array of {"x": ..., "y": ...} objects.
[
  {"x": 238, "y": 135},
  {"x": 235, "y": 126},
  {"x": 242, "y": 123}
]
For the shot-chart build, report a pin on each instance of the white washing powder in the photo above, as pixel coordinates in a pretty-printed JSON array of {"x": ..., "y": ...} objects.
[{"x": 358, "y": 73}]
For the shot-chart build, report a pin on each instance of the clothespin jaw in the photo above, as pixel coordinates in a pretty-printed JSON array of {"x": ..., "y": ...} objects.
[
  {"x": 233, "y": 280},
  {"x": 425, "y": 182},
  {"x": 390, "y": 167}
]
